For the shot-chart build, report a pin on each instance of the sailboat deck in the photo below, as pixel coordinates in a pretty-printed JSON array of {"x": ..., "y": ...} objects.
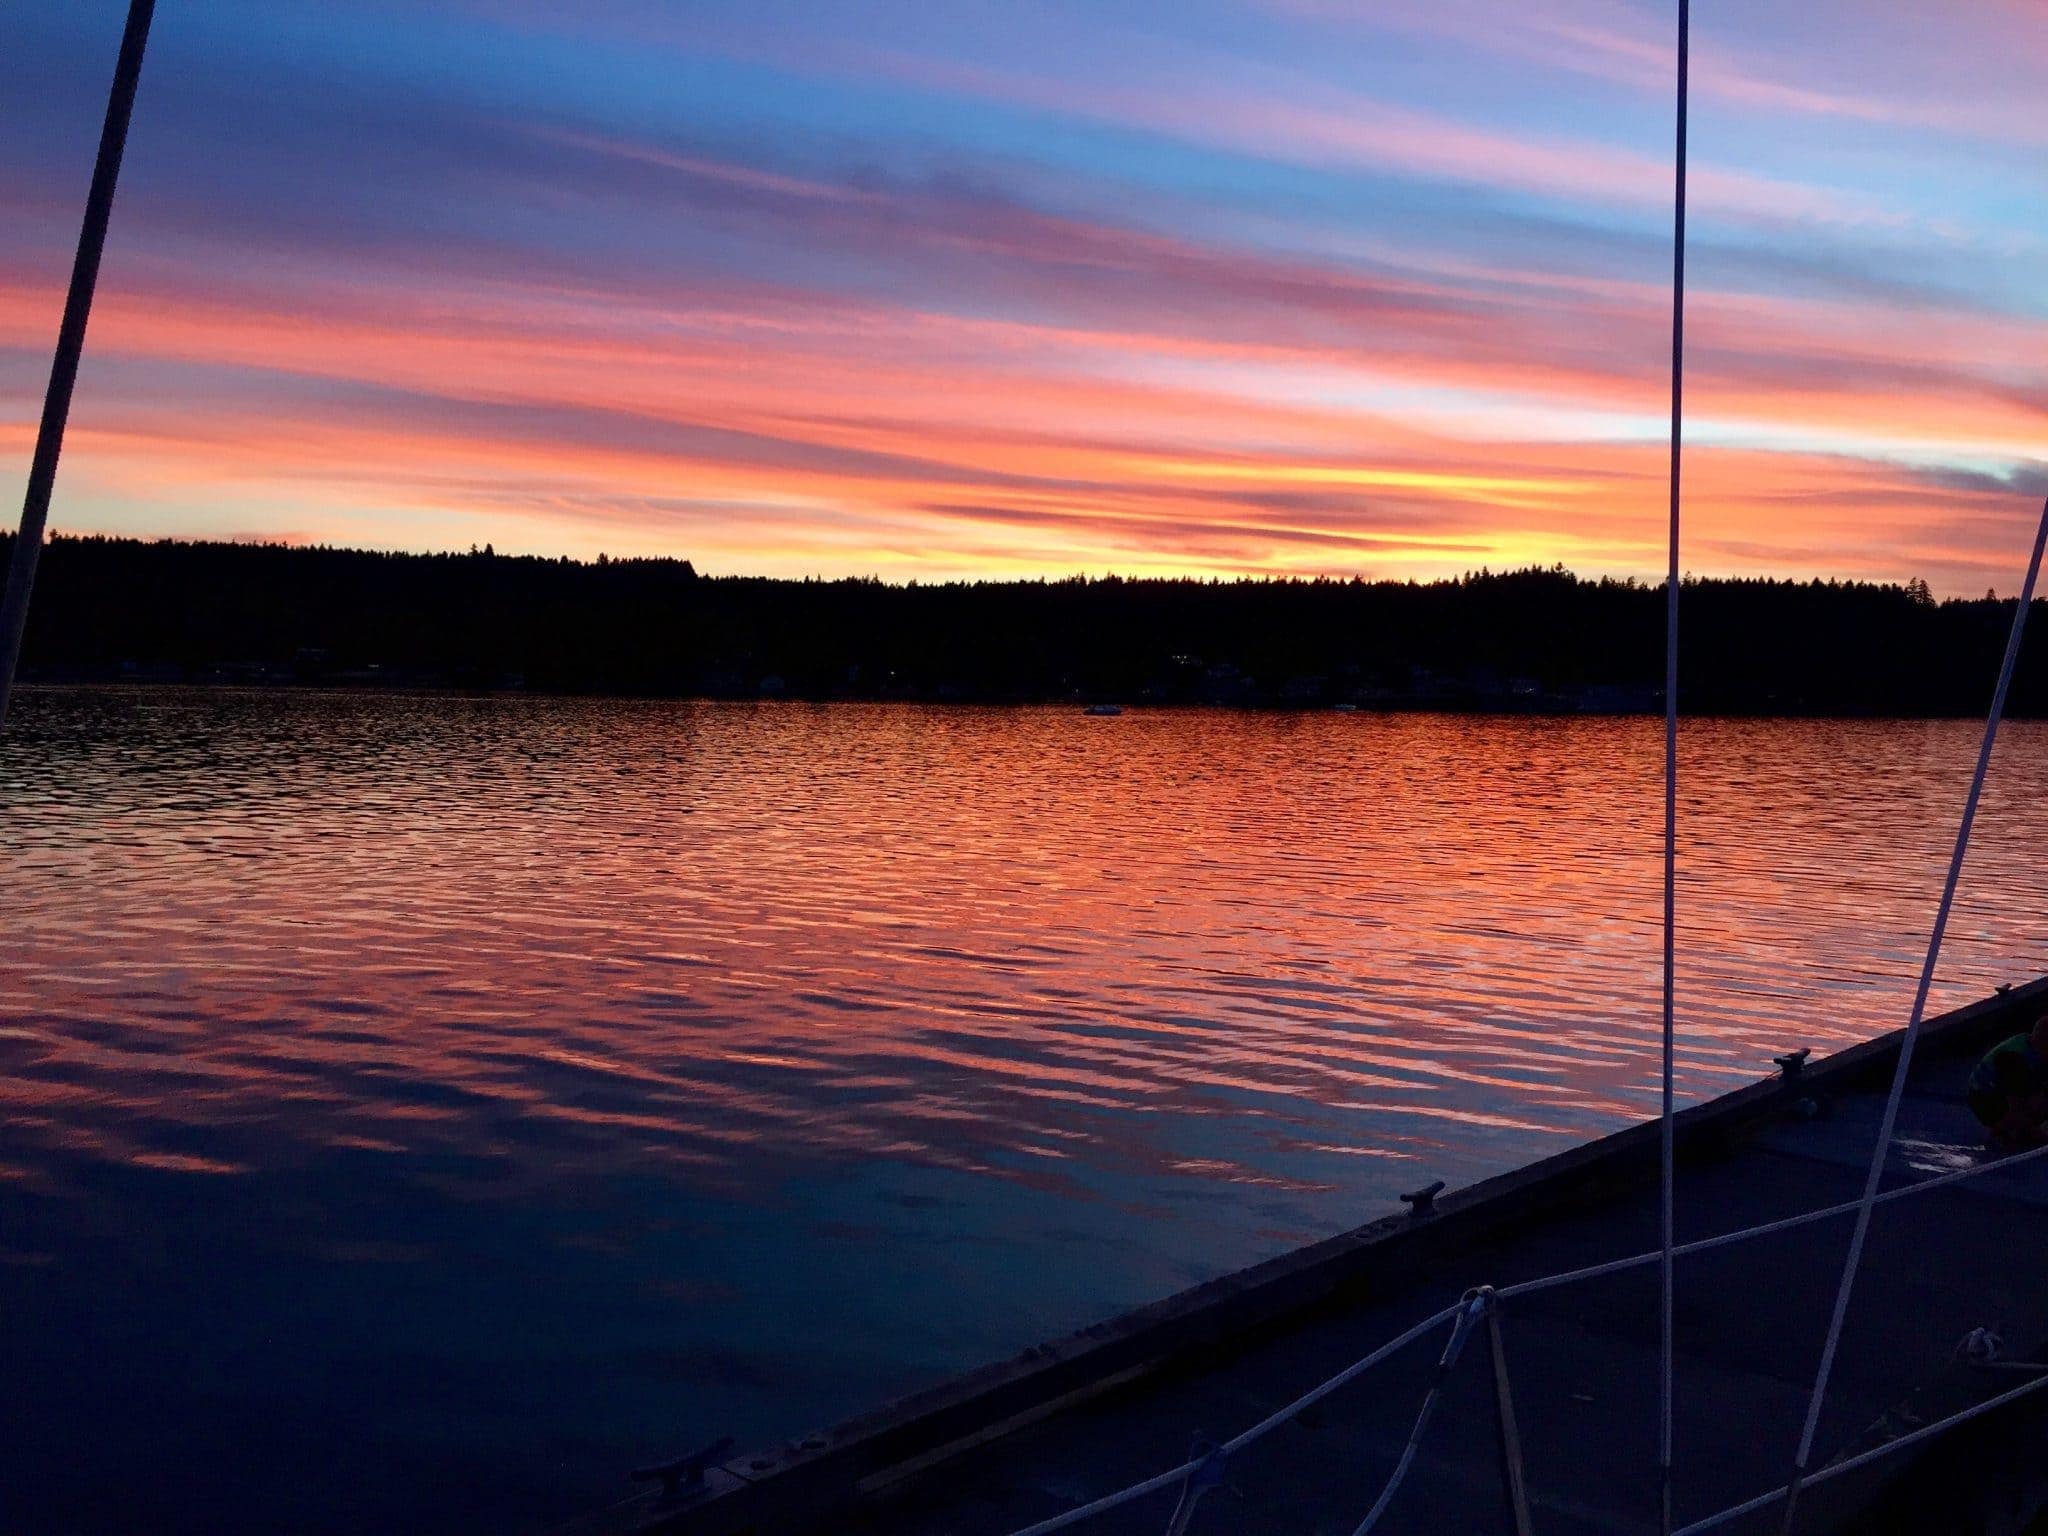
[
  {"x": 1582, "y": 1359},
  {"x": 1080, "y": 1418}
]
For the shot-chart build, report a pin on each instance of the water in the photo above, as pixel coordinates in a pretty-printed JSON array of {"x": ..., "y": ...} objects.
[{"x": 419, "y": 1110}]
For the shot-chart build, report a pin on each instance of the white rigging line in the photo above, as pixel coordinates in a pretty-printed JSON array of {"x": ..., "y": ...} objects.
[
  {"x": 1472, "y": 1311},
  {"x": 1864, "y": 1458},
  {"x": 1905, "y": 1061},
  {"x": 1667, "y": 1134},
  {"x": 1258, "y": 1431},
  {"x": 1505, "y": 1293}
]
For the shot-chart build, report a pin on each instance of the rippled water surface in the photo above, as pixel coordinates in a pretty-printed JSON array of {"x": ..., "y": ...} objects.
[{"x": 419, "y": 1110}]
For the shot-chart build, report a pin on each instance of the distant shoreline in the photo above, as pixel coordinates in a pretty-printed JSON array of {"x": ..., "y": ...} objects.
[
  {"x": 1530, "y": 642},
  {"x": 257, "y": 678},
  {"x": 397, "y": 689}
]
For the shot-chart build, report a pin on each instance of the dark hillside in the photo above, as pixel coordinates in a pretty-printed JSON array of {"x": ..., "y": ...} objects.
[{"x": 1535, "y": 639}]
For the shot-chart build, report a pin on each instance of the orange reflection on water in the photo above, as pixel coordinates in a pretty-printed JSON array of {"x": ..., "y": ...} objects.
[
  {"x": 560, "y": 934},
  {"x": 611, "y": 1076}
]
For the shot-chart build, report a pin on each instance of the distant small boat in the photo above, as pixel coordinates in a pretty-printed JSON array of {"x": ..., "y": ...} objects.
[
  {"x": 1345, "y": 709},
  {"x": 1104, "y": 709}
]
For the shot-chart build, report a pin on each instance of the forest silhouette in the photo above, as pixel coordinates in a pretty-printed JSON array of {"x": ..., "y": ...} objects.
[{"x": 1536, "y": 639}]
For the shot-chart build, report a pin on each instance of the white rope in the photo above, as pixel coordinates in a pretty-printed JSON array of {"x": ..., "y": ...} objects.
[
  {"x": 1508, "y": 1293},
  {"x": 1665, "y": 1353},
  {"x": 1905, "y": 1061},
  {"x": 1208, "y": 1474},
  {"x": 1471, "y": 1310},
  {"x": 1351, "y": 1373},
  {"x": 1265, "y": 1426},
  {"x": 1765, "y": 1229},
  {"x": 1104, "y": 1505},
  {"x": 1864, "y": 1458}
]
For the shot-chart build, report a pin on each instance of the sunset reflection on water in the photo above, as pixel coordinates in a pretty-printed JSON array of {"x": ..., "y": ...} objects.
[{"x": 485, "y": 1094}]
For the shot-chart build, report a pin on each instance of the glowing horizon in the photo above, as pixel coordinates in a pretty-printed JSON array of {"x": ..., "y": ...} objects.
[{"x": 1261, "y": 287}]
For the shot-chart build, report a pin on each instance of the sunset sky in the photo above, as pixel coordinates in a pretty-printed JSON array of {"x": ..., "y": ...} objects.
[{"x": 997, "y": 287}]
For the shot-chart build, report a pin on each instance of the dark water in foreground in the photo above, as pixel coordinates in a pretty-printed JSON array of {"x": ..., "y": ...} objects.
[{"x": 418, "y": 1110}]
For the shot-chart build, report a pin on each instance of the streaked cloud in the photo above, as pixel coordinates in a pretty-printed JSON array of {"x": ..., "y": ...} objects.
[{"x": 1272, "y": 286}]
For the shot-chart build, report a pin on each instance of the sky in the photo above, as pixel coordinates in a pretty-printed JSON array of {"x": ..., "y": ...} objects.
[{"x": 1023, "y": 287}]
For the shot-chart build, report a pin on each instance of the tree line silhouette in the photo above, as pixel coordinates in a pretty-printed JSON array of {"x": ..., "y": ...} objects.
[{"x": 1525, "y": 639}]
